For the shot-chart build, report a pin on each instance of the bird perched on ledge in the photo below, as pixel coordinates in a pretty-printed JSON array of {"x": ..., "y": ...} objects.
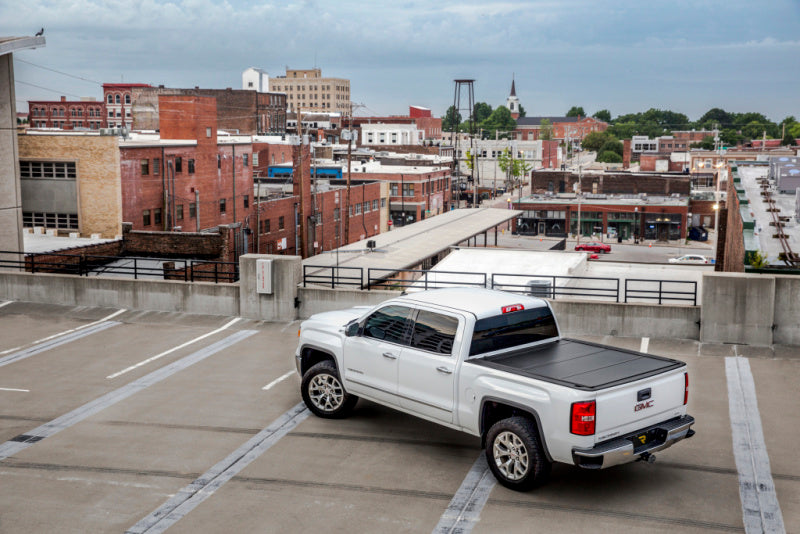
[{"x": 40, "y": 32}]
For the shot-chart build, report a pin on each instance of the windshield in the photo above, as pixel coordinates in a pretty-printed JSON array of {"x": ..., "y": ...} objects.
[{"x": 513, "y": 329}]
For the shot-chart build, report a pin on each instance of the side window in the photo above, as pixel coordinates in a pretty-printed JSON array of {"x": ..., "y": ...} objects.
[
  {"x": 388, "y": 324},
  {"x": 434, "y": 332}
]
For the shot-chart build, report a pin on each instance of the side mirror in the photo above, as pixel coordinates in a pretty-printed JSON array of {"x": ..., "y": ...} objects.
[{"x": 351, "y": 329}]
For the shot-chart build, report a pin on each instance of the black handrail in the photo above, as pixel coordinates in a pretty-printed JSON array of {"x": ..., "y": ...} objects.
[
  {"x": 555, "y": 290},
  {"x": 660, "y": 294},
  {"x": 390, "y": 277},
  {"x": 331, "y": 275}
]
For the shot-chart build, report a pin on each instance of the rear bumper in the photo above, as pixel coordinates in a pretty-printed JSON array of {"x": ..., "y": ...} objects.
[{"x": 626, "y": 448}]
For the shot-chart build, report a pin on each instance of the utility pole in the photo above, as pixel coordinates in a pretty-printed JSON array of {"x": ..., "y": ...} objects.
[
  {"x": 300, "y": 183},
  {"x": 580, "y": 194},
  {"x": 346, "y": 213}
]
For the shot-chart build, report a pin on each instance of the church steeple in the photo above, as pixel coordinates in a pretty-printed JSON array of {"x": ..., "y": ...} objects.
[{"x": 512, "y": 102}]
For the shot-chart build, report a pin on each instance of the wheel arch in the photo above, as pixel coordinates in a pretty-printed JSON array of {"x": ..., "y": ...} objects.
[
  {"x": 311, "y": 355},
  {"x": 494, "y": 409}
]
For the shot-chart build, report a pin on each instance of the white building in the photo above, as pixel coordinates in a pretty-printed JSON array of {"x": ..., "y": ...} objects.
[
  {"x": 255, "y": 80},
  {"x": 488, "y": 151},
  {"x": 391, "y": 135}
]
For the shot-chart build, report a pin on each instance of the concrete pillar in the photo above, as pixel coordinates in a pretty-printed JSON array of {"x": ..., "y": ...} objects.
[
  {"x": 738, "y": 308},
  {"x": 10, "y": 195},
  {"x": 278, "y": 306},
  {"x": 787, "y": 311}
]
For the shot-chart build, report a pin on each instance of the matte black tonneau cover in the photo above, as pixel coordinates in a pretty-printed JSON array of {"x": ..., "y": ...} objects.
[{"x": 579, "y": 364}]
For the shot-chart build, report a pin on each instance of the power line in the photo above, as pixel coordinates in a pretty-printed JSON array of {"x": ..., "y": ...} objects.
[
  {"x": 59, "y": 72},
  {"x": 46, "y": 89}
]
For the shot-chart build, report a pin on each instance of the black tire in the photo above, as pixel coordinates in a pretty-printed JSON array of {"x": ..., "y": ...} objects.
[
  {"x": 515, "y": 454},
  {"x": 323, "y": 392}
]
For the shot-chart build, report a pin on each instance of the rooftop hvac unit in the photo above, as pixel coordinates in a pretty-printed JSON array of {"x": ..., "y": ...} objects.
[{"x": 539, "y": 288}]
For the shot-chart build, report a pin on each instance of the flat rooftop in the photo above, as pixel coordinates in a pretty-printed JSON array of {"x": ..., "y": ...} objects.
[{"x": 42, "y": 243}]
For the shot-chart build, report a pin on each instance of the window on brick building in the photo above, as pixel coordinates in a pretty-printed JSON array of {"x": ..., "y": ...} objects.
[
  {"x": 117, "y": 99},
  {"x": 191, "y": 166},
  {"x": 127, "y": 99},
  {"x": 375, "y": 205},
  {"x": 156, "y": 166},
  {"x": 179, "y": 212},
  {"x": 219, "y": 161},
  {"x": 247, "y": 201},
  {"x": 280, "y": 222},
  {"x": 395, "y": 189},
  {"x": 157, "y": 216},
  {"x": 178, "y": 164},
  {"x": 192, "y": 210},
  {"x": 408, "y": 190},
  {"x": 244, "y": 160},
  {"x": 208, "y": 132},
  {"x": 110, "y": 99},
  {"x": 222, "y": 205},
  {"x": 336, "y": 214},
  {"x": 266, "y": 227},
  {"x": 145, "y": 217},
  {"x": 145, "y": 164}
]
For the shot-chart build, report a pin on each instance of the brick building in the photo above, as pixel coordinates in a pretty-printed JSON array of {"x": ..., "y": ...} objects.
[
  {"x": 67, "y": 114},
  {"x": 418, "y": 117},
  {"x": 573, "y": 128},
  {"x": 118, "y": 99},
  {"x": 246, "y": 112},
  {"x": 554, "y": 182},
  {"x": 186, "y": 177},
  {"x": 307, "y": 90}
]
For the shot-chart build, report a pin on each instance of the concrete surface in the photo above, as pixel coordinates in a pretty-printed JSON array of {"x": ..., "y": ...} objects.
[{"x": 377, "y": 471}]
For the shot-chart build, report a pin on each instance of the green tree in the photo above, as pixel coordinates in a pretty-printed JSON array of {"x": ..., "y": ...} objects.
[
  {"x": 514, "y": 168},
  {"x": 545, "y": 130},
  {"x": 500, "y": 120},
  {"x": 609, "y": 156},
  {"x": 623, "y": 129},
  {"x": 715, "y": 115},
  {"x": 706, "y": 144},
  {"x": 576, "y": 111},
  {"x": 788, "y": 139},
  {"x": 481, "y": 111},
  {"x": 603, "y": 115},
  {"x": 451, "y": 120},
  {"x": 522, "y": 111},
  {"x": 612, "y": 145},
  {"x": 595, "y": 140}
]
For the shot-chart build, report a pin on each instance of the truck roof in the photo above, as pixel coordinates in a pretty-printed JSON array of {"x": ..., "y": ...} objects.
[{"x": 479, "y": 301}]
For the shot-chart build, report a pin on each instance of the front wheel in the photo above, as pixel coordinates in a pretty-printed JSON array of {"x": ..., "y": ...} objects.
[
  {"x": 324, "y": 394},
  {"x": 515, "y": 454}
]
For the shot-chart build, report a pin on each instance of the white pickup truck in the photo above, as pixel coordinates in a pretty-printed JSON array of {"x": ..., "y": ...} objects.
[{"x": 494, "y": 364}]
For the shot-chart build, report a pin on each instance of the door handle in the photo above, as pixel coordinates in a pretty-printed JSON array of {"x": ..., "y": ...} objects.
[
  {"x": 389, "y": 355},
  {"x": 444, "y": 370}
]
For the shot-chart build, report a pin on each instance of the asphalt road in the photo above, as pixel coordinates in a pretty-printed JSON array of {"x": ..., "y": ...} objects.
[{"x": 133, "y": 421}]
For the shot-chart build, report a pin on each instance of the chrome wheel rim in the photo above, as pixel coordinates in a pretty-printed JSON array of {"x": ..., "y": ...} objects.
[
  {"x": 510, "y": 456},
  {"x": 325, "y": 392}
]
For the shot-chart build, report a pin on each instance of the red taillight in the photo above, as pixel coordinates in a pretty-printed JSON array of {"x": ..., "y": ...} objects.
[
  {"x": 512, "y": 308},
  {"x": 582, "y": 418},
  {"x": 685, "y": 388}
]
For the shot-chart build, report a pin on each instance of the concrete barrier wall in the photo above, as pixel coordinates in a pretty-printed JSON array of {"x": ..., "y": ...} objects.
[
  {"x": 316, "y": 300},
  {"x": 280, "y": 305},
  {"x": 787, "y": 310},
  {"x": 634, "y": 320},
  {"x": 738, "y": 308},
  {"x": 158, "y": 295}
]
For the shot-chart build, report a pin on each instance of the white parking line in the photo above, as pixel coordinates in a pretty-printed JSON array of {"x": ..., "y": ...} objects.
[
  {"x": 15, "y": 389},
  {"x": 65, "y": 332},
  {"x": 761, "y": 511},
  {"x": 173, "y": 349},
  {"x": 204, "y": 487},
  {"x": 645, "y": 344},
  {"x": 58, "y": 341},
  {"x": 23, "y": 441},
  {"x": 6, "y": 303},
  {"x": 278, "y": 380},
  {"x": 464, "y": 510}
]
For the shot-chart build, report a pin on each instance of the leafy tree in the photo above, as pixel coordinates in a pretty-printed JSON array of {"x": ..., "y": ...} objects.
[
  {"x": 514, "y": 168},
  {"x": 522, "y": 111},
  {"x": 794, "y": 130},
  {"x": 500, "y": 120},
  {"x": 730, "y": 137},
  {"x": 706, "y": 144},
  {"x": 788, "y": 139},
  {"x": 609, "y": 156},
  {"x": 451, "y": 120},
  {"x": 595, "y": 140},
  {"x": 545, "y": 130},
  {"x": 612, "y": 145},
  {"x": 576, "y": 111},
  {"x": 481, "y": 111},
  {"x": 623, "y": 129},
  {"x": 715, "y": 115},
  {"x": 603, "y": 115}
]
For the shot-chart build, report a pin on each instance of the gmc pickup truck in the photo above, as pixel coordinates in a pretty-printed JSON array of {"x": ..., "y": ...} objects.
[{"x": 494, "y": 364}]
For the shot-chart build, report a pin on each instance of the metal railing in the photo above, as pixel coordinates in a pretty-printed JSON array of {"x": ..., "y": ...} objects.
[
  {"x": 136, "y": 268},
  {"x": 660, "y": 290},
  {"x": 553, "y": 287},
  {"x": 421, "y": 279},
  {"x": 556, "y": 286},
  {"x": 333, "y": 276}
]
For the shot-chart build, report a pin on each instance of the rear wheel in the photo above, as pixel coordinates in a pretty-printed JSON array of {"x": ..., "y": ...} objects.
[
  {"x": 515, "y": 454},
  {"x": 324, "y": 394}
]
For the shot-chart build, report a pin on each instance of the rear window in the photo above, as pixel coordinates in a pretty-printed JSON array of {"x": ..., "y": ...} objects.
[{"x": 512, "y": 329}]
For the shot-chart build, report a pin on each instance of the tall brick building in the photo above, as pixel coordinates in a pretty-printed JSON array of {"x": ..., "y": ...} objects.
[
  {"x": 118, "y": 99},
  {"x": 67, "y": 114},
  {"x": 307, "y": 90}
]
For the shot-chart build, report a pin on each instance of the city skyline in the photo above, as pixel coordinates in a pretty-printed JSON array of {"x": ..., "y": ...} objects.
[{"x": 683, "y": 56}]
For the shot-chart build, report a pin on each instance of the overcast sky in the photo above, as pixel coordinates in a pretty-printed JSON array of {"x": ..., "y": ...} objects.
[{"x": 625, "y": 56}]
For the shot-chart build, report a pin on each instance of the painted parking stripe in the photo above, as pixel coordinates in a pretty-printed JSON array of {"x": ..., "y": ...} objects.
[
  {"x": 6, "y": 303},
  {"x": 760, "y": 508},
  {"x": 204, "y": 487},
  {"x": 65, "y": 332},
  {"x": 464, "y": 510},
  {"x": 173, "y": 349},
  {"x": 23, "y": 441},
  {"x": 16, "y": 390},
  {"x": 278, "y": 380},
  {"x": 52, "y": 343}
]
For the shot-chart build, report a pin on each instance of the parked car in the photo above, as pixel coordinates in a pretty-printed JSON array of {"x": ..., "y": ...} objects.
[
  {"x": 691, "y": 258},
  {"x": 698, "y": 233},
  {"x": 594, "y": 246}
]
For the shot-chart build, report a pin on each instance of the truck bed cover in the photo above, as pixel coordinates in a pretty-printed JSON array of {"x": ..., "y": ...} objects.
[{"x": 579, "y": 364}]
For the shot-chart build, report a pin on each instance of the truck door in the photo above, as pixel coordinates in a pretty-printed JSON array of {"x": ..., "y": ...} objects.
[
  {"x": 428, "y": 366},
  {"x": 371, "y": 358}
]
